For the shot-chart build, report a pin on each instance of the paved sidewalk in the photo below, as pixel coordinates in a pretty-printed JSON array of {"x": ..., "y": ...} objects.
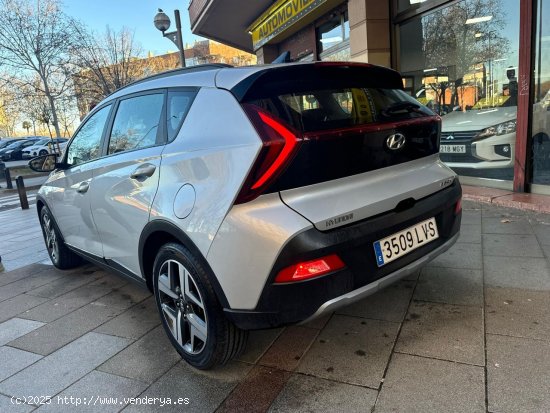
[
  {"x": 471, "y": 333},
  {"x": 12, "y": 201},
  {"x": 21, "y": 241},
  {"x": 507, "y": 199}
]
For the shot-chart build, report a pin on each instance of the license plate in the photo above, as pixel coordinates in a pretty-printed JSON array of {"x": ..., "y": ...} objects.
[
  {"x": 403, "y": 242},
  {"x": 452, "y": 148}
]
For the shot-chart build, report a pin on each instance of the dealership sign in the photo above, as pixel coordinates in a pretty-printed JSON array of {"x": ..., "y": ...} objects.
[{"x": 278, "y": 18}]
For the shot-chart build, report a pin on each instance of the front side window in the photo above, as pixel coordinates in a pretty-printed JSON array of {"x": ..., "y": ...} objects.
[
  {"x": 86, "y": 144},
  {"x": 136, "y": 123}
]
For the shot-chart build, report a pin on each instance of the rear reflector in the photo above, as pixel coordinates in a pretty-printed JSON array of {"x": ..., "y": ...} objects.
[
  {"x": 280, "y": 142},
  {"x": 310, "y": 269},
  {"x": 458, "y": 206}
]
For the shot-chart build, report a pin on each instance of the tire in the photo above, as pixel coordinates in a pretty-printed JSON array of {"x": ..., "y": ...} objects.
[
  {"x": 62, "y": 257},
  {"x": 205, "y": 337},
  {"x": 43, "y": 152}
]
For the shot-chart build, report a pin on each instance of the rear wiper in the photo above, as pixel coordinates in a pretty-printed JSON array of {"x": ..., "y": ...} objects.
[{"x": 401, "y": 106}]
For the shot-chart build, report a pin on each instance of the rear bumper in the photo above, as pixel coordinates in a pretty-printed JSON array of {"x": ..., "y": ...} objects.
[
  {"x": 378, "y": 285},
  {"x": 282, "y": 304}
]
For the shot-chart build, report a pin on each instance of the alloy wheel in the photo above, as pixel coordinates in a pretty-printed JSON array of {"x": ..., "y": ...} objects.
[
  {"x": 182, "y": 307},
  {"x": 50, "y": 236}
]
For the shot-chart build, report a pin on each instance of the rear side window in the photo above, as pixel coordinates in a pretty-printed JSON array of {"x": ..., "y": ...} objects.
[
  {"x": 136, "y": 123},
  {"x": 324, "y": 109},
  {"x": 179, "y": 103}
]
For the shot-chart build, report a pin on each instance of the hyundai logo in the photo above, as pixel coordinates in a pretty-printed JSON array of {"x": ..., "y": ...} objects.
[{"x": 396, "y": 141}]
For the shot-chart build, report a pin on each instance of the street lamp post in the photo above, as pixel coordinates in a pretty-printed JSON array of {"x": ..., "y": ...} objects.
[{"x": 162, "y": 23}]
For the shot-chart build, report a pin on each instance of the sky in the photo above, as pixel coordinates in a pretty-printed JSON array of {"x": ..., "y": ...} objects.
[{"x": 137, "y": 15}]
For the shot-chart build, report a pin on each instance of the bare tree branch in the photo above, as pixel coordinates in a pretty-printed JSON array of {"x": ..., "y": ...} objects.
[{"x": 35, "y": 38}]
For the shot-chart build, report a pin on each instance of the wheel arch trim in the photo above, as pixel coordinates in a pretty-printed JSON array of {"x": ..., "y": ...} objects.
[
  {"x": 166, "y": 227},
  {"x": 40, "y": 199}
]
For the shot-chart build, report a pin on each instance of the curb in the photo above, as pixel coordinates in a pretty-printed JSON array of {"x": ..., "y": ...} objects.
[{"x": 502, "y": 198}]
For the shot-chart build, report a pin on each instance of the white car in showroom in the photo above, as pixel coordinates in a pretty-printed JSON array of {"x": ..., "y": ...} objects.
[
  {"x": 479, "y": 139},
  {"x": 485, "y": 139}
]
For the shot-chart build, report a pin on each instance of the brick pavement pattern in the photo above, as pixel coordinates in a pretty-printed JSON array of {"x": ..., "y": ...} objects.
[{"x": 469, "y": 333}]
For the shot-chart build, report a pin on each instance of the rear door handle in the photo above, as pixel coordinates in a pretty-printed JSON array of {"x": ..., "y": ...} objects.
[
  {"x": 143, "y": 171},
  {"x": 83, "y": 187}
]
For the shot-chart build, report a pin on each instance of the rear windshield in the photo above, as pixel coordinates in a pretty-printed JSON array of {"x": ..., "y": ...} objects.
[{"x": 332, "y": 108}]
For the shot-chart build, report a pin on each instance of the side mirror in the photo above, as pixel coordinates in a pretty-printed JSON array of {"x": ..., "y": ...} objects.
[{"x": 44, "y": 163}]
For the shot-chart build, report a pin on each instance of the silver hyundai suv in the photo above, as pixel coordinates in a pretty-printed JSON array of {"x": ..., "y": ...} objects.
[{"x": 254, "y": 197}]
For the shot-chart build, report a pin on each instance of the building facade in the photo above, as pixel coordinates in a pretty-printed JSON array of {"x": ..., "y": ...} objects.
[{"x": 482, "y": 65}]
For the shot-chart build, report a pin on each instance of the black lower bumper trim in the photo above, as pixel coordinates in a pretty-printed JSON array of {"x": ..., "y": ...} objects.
[{"x": 282, "y": 304}]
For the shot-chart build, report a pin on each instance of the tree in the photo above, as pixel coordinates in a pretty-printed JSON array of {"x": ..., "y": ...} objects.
[
  {"x": 448, "y": 39},
  {"x": 26, "y": 125},
  {"x": 9, "y": 111},
  {"x": 108, "y": 62},
  {"x": 35, "y": 105},
  {"x": 455, "y": 48},
  {"x": 35, "y": 36},
  {"x": 68, "y": 114},
  {"x": 103, "y": 62}
]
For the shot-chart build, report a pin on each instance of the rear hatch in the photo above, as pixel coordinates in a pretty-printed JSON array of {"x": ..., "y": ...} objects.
[{"x": 342, "y": 142}]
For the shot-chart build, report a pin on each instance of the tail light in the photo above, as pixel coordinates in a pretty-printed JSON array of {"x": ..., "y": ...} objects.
[
  {"x": 310, "y": 269},
  {"x": 280, "y": 143}
]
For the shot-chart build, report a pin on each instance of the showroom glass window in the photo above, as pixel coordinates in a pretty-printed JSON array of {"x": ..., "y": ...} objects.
[
  {"x": 461, "y": 61},
  {"x": 333, "y": 38},
  {"x": 541, "y": 104},
  {"x": 408, "y": 5}
]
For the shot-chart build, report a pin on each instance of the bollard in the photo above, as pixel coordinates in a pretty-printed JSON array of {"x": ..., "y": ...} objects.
[
  {"x": 22, "y": 192},
  {"x": 8, "y": 178}
]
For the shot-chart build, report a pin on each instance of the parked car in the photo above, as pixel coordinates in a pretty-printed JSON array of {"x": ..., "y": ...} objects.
[
  {"x": 250, "y": 198},
  {"x": 6, "y": 142},
  {"x": 479, "y": 138},
  {"x": 13, "y": 152},
  {"x": 44, "y": 147},
  {"x": 483, "y": 138}
]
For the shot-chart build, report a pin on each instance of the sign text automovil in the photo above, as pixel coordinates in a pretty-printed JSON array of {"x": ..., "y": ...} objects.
[{"x": 281, "y": 16}]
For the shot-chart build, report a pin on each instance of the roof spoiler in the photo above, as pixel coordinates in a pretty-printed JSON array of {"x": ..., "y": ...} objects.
[{"x": 298, "y": 77}]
